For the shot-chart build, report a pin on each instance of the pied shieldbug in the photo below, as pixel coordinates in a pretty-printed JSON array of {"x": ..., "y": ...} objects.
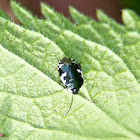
[{"x": 70, "y": 75}]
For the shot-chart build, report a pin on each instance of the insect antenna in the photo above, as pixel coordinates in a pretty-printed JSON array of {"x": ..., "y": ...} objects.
[{"x": 70, "y": 104}]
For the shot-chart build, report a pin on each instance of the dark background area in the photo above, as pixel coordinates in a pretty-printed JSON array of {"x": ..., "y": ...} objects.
[
  {"x": 111, "y": 7},
  {"x": 88, "y": 7}
]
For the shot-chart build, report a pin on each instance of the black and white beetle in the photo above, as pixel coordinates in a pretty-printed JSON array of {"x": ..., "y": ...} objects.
[{"x": 70, "y": 75}]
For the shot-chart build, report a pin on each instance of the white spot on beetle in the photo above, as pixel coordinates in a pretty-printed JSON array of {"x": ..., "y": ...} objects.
[{"x": 62, "y": 78}]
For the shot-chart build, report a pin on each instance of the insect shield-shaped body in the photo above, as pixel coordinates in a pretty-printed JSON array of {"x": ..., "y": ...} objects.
[{"x": 70, "y": 75}]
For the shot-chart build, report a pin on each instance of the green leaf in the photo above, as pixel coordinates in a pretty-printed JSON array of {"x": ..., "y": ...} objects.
[
  {"x": 117, "y": 38},
  {"x": 30, "y": 105},
  {"x": 106, "y": 76},
  {"x": 36, "y": 49},
  {"x": 102, "y": 17},
  {"x": 78, "y": 17},
  {"x": 131, "y": 20},
  {"x": 108, "y": 33},
  {"x": 2, "y": 14},
  {"x": 125, "y": 45},
  {"x": 47, "y": 28},
  {"x": 33, "y": 104},
  {"x": 45, "y": 60},
  {"x": 56, "y": 18},
  {"x": 113, "y": 35}
]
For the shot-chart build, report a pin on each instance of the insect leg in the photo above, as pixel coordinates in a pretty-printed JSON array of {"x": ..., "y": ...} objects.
[{"x": 70, "y": 104}]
